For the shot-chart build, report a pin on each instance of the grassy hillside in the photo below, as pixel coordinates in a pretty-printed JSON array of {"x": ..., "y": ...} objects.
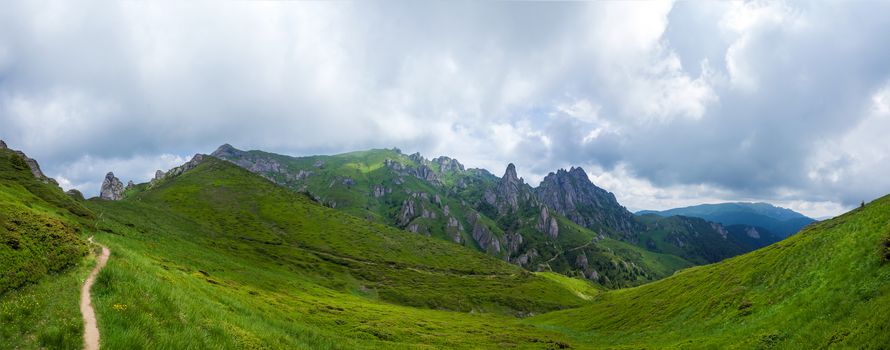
[
  {"x": 42, "y": 260},
  {"x": 39, "y": 230},
  {"x": 828, "y": 286},
  {"x": 440, "y": 199},
  {"x": 220, "y": 257}
]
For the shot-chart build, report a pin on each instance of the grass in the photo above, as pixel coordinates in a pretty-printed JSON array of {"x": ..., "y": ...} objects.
[
  {"x": 221, "y": 258},
  {"x": 45, "y": 314},
  {"x": 824, "y": 287}
]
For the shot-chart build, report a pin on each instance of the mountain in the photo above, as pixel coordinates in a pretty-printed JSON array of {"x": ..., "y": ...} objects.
[
  {"x": 571, "y": 194},
  {"x": 826, "y": 287},
  {"x": 698, "y": 240},
  {"x": 780, "y": 221},
  {"x": 210, "y": 255},
  {"x": 566, "y": 225}
]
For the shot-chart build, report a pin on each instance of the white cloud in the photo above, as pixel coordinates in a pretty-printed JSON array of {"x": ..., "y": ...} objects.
[{"x": 729, "y": 110}]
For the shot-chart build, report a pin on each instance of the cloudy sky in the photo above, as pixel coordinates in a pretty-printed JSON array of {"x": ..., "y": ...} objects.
[{"x": 664, "y": 104}]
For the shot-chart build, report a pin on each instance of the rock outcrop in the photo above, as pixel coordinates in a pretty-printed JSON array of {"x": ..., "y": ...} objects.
[
  {"x": 191, "y": 164},
  {"x": 510, "y": 191},
  {"x": 571, "y": 194},
  {"x": 446, "y": 164},
  {"x": 483, "y": 235},
  {"x": 112, "y": 188},
  {"x": 32, "y": 165}
]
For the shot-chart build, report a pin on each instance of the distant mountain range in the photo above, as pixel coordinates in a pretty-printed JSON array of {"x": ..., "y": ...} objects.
[{"x": 780, "y": 221}]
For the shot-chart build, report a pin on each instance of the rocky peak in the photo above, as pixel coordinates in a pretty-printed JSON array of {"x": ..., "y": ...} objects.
[
  {"x": 3, "y": 145},
  {"x": 578, "y": 173},
  {"x": 447, "y": 164},
  {"x": 510, "y": 174},
  {"x": 417, "y": 158},
  {"x": 226, "y": 151},
  {"x": 191, "y": 164},
  {"x": 112, "y": 188},
  {"x": 571, "y": 194},
  {"x": 509, "y": 192}
]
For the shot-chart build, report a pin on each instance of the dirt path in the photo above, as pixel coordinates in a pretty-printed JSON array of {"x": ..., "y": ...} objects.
[
  {"x": 570, "y": 250},
  {"x": 90, "y": 330}
]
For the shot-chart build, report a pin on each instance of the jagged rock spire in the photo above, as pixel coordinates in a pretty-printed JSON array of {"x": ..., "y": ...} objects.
[
  {"x": 112, "y": 188},
  {"x": 571, "y": 194},
  {"x": 510, "y": 174}
]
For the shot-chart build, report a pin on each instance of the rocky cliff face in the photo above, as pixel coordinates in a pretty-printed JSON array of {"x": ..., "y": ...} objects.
[
  {"x": 112, "y": 188},
  {"x": 32, "y": 164},
  {"x": 571, "y": 194},
  {"x": 509, "y": 193}
]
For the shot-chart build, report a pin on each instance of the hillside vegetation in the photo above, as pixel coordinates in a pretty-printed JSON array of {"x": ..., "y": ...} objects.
[
  {"x": 828, "y": 286},
  {"x": 220, "y": 257},
  {"x": 566, "y": 225},
  {"x": 42, "y": 255}
]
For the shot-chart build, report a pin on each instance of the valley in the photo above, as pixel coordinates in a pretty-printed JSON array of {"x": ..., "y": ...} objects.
[{"x": 215, "y": 254}]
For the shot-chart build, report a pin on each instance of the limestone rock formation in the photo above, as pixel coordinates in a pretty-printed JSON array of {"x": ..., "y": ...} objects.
[
  {"x": 510, "y": 191},
  {"x": 112, "y": 188},
  {"x": 571, "y": 194}
]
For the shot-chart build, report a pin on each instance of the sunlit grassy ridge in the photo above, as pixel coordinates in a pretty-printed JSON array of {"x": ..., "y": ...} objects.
[
  {"x": 219, "y": 257},
  {"x": 826, "y": 286}
]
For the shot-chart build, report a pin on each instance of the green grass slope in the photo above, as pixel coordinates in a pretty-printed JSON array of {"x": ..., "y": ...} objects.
[
  {"x": 42, "y": 260},
  {"x": 220, "y": 257},
  {"x": 826, "y": 287},
  {"x": 39, "y": 228}
]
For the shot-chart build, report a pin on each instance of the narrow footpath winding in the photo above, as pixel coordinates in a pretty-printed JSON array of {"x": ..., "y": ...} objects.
[{"x": 90, "y": 330}]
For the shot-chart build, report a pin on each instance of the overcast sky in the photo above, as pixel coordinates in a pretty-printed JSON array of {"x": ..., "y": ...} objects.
[{"x": 663, "y": 104}]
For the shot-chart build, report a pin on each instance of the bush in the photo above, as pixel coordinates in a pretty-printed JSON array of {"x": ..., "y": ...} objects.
[{"x": 33, "y": 245}]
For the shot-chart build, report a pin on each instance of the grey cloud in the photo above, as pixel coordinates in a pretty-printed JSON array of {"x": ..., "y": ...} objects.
[{"x": 113, "y": 83}]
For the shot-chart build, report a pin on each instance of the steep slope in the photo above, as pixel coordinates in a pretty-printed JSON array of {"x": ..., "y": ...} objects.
[
  {"x": 42, "y": 257},
  {"x": 780, "y": 221},
  {"x": 230, "y": 259},
  {"x": 828, "y": 286},
  {"x": 39, "y": 231},
  {"x": 504, "y": 217}
]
